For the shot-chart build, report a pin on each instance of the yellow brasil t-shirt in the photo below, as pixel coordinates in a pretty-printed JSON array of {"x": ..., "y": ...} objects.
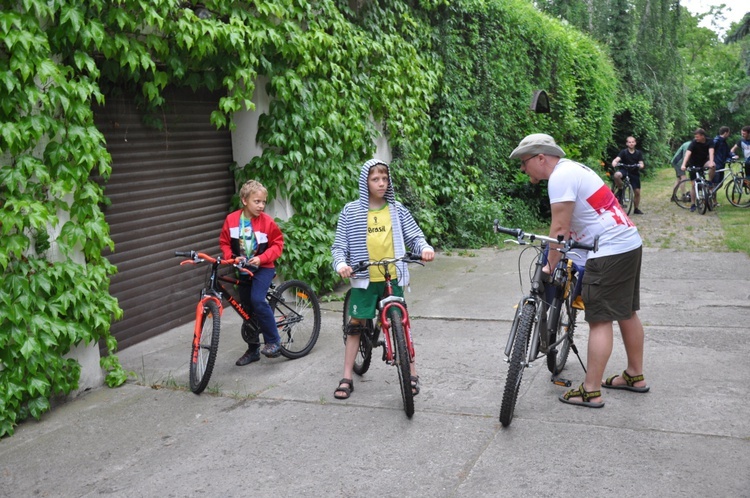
[{"x": 380, "y": 242}]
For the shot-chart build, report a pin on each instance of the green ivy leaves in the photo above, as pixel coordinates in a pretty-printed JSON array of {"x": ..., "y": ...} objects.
[{"x": 446, "y": 84}]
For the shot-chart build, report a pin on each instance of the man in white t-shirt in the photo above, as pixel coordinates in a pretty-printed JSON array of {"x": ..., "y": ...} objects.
[{"x": 583, "y": 207}]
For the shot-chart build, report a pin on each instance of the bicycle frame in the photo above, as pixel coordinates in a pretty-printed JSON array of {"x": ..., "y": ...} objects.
[
  {"x": 538, "y": 295},
  {"x": 215, "y": 291},
  {"x": 714, "y": 187}
]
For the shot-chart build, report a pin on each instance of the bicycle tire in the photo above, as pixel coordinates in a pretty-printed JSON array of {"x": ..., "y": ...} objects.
[
  {"x": 364, "y": 355},
  {"x": 205, "y": 347},
  {"x": 678, "y": 198},
  {"x": 564, "y": 328},
  {"x": 517, "y": 364},
  {"x": 401, "y": 359},
  {"x": 627, "y": 198},
  {"x": 297, "y": 311},
  {"x": 703, "y": 200},
  {"x": 738, "y": 193}
]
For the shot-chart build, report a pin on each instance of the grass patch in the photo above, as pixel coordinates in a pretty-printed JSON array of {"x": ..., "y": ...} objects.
[{"x": 734, "y": 222}]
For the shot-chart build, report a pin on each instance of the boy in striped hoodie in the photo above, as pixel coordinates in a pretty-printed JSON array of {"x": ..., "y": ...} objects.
[{"x": 374, "y": 227}]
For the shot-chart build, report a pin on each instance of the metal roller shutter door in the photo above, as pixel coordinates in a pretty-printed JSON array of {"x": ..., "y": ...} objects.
[{"x": 169, "y": 190}]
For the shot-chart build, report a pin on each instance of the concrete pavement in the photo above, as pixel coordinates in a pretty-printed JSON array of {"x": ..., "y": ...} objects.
[{"x": 273, "y": 428}]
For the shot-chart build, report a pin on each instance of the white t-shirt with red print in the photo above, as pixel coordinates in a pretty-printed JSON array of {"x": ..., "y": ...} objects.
[{"x": 596, "y": 211}]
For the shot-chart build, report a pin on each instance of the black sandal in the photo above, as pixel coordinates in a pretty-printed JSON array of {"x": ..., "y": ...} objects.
[
  {"x": 584, "y": 395},
  {"x": 414, "y": 385},
  {"x": 347, "y": 390}
]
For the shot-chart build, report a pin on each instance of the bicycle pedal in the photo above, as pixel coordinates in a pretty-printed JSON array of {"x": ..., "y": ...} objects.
[{"x": 561, "y": 382}]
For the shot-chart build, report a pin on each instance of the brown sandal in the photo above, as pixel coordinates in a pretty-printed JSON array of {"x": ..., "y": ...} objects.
[{"x": 348, "y": 389}]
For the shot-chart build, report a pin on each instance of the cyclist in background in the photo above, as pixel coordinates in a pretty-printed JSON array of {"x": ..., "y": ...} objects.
[
  {"x": 630, "y": 155},
  {"x": 700, "y": 153},
  {"x": 721, "y": 152},
  {"x": 676, "y": 163},
  {"x": 744, "y": 145}
]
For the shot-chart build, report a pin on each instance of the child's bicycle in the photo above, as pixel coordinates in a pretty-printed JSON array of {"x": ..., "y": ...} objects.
[
  {"x": 294, "y": 304},
  {"x": 392, "y": 318},
  {"x": 533, "y": 332}
]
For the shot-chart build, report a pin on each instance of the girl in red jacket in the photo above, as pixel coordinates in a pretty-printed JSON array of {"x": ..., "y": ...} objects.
[{"x": 252, "y": 234}]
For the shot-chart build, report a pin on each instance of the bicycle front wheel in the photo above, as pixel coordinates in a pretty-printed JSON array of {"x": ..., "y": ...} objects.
[
  {"x": 297, "y": 312},
  {"x": 627, "y": 198},
  {"x": 401, "y": 359},
  {"x": 205, "y": 347},
  {"x": 364, "y": 355},
  {"x": 516, "y": 364},
  {"x": 738, "y": 192},
  {"x": 681, "y": 194}
]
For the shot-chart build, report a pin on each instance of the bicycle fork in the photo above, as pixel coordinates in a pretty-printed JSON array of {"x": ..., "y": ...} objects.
[
  {"x": 386, "y": 328},
  {"x": 539, "y": 320},
  {"x": 200, "y": 310}
]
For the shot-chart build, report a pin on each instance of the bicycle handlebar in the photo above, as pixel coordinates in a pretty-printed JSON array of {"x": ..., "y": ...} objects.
[
  {"x": 407, "y": 258},
  {"x": 697, "y": 169},
  {"x": 195, "y": 258},
  {"x": 629, "y": 166},
  {"x": 520, "y": 235}
]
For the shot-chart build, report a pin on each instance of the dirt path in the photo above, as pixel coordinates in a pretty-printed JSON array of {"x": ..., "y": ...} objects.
[{"x": 667, "y": 226}]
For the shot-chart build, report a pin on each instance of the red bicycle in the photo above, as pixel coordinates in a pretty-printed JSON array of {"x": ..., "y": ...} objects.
[
  {"x": 294, "y": 303},
  {"x": 392, "y": 317}
]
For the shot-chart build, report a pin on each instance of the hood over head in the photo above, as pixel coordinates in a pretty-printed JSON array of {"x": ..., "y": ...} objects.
[{"x": 364, "y": 192}]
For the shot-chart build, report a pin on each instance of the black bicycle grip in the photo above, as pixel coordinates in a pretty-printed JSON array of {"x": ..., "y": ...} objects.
[
  {"x": 357, "y": 267},
  {"x": 183, "y": 254},
  {"x": 588, "y": 247},
  {"x": 410, "y": 256},
  {"x": 515, "y": 232}
]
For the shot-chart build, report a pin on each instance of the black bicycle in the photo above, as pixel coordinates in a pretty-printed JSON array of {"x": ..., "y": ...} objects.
[
  {"x": 544, "y": 323},
  {"x": 624, "y": 193},
  {"x": 392, "y": 319},
  {"x": 737, "y": 188},
  {"x": 294, "y": 303}
]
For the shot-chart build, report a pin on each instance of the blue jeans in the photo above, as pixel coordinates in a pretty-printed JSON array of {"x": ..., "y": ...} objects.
[{"x": 253, "y": 297}]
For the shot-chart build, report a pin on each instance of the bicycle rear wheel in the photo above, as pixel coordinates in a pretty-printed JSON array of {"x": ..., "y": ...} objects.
[
  {"x": 401, "y": 359},
  {"x": 703, "y": 198},
  {"x": 738, "y": 192},
  {"x": 364, "y": 355},
  {"x": 565, "y": 323},
  {"x": 205, "y": 347},
  {"x": 516, "y": 364},
  {"x": 297, "y": 312},
  {"x": 682, "y": 199}
]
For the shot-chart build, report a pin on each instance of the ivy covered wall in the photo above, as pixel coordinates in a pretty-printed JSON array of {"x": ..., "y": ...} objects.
[{"x": 450, "y": 84}]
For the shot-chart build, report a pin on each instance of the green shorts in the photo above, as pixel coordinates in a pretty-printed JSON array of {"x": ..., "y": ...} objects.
[
  {"x": 362, "y": 302},
  {"x": 611, "y": 286}
]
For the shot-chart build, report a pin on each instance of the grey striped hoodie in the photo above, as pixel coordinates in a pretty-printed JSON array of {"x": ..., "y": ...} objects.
[{"x": 350, "y": 245}]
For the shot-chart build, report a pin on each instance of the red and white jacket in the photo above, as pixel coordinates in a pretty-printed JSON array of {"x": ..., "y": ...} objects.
[{"x": 267, "y": 233}]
